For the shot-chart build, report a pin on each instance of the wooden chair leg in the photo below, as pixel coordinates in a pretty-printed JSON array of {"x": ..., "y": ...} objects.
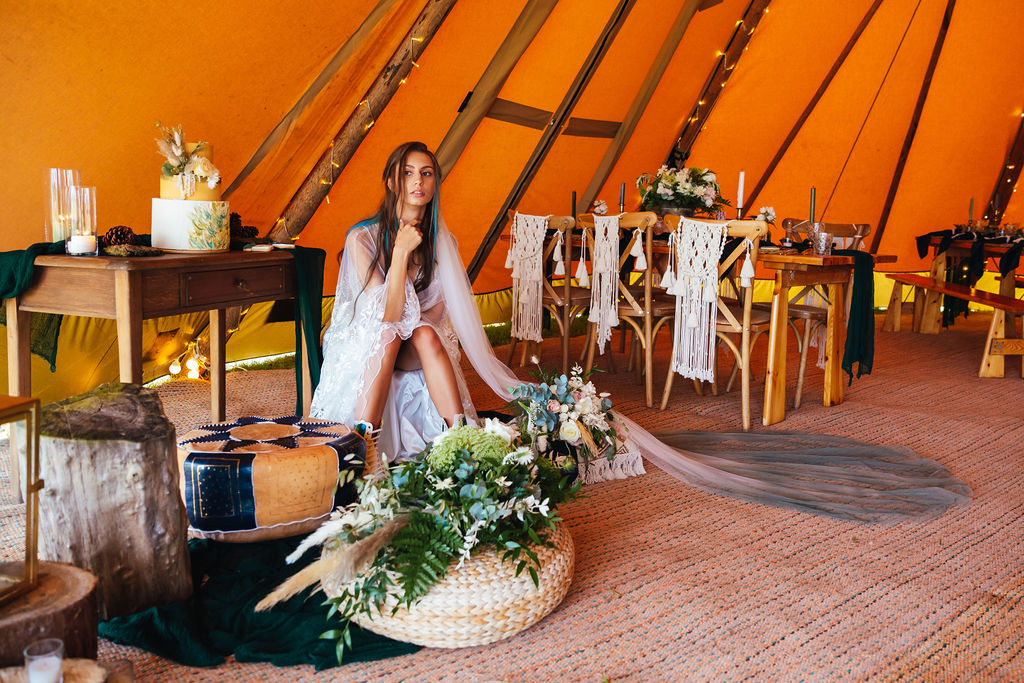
[
  {"x": 511, "y": 352},
  {"x": 668, "y": 387},
  {"x": 805, "y": 343},
  {"x": 895, "y": 311},
  {"x": 591, "y": 346}
]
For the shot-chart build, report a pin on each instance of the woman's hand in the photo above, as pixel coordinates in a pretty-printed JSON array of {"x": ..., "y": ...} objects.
[{"x": 408, "y": 238}]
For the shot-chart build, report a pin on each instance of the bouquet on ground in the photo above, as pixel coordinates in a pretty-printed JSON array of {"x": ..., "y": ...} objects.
[
  {"x": 691, "y": 188},
  {"x": 472, "y": 487},
  {"x": 565, "y": 420}
]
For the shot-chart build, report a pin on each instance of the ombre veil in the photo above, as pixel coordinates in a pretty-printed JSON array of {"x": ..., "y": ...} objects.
[{"x": 815, "y": 473}]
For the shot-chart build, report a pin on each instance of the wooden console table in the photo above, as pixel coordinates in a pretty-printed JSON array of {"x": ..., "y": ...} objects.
[{"x": 130, "y": 290}]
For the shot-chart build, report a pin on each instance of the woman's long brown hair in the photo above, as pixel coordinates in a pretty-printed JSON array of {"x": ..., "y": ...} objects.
[{"x": 386, "y": 216}]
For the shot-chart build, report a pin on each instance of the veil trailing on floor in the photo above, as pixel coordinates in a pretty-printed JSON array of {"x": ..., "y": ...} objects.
[{"x": 815, "y": 473}]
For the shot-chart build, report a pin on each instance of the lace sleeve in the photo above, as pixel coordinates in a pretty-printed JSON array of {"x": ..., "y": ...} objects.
[{"x": 370, "y": 301}]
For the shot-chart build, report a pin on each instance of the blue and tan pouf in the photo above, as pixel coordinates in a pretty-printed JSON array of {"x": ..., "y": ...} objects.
[{"x": 257, "y": 479}]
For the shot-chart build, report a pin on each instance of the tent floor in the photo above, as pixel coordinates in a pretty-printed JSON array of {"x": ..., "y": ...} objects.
[{"x": 673, "y": 583}]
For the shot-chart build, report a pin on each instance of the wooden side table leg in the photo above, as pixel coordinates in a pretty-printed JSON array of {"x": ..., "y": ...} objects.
[
  {"x": 775, "y": 384},
  {"x": 19, "y": 359},
  {"x": 835, "y": 336},
  {"x": 218, "y": 384},
  {"x": 128, "y": 304}
]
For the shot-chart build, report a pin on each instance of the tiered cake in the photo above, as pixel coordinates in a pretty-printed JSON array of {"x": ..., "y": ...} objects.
[{"x": 189, "y": 216}]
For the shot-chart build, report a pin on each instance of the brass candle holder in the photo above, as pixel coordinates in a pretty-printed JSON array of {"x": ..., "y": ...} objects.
[{"x": 13, "y": 409}]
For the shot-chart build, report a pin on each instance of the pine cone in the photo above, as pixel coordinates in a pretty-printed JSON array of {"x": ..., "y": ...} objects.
[
  {"x": 119, "y": 234},
  {"x": 241, "y": 232}
]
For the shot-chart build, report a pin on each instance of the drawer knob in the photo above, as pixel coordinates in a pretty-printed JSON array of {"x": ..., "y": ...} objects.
[{"x": 242, "y": 285}]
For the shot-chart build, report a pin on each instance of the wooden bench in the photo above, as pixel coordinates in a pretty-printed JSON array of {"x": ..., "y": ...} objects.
[{"x": 997, "y": 344}]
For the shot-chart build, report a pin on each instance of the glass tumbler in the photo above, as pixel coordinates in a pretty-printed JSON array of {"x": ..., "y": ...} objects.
[
  {"x": 44, "y": 661},
  {"x": 60, "y": 184},
  {"x": 81, "y": 239}
]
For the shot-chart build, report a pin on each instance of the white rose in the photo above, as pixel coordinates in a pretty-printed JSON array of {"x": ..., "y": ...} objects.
[
  {"x": 498, "y": 428},
  {"x": 569, "y": 431},
  {"x": 202, "y": 167}
]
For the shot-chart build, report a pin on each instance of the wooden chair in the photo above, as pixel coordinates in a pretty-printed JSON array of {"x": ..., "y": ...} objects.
[
  {"x": 637, "y": 305},
  {"x": 736, "y": 317},
  {"x": 563, "y": 300},
  {"x": 814, "y": 316}
]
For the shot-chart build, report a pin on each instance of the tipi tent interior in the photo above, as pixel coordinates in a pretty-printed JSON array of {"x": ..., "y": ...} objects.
[
  {"x": 896, "y": 110},
  {"x": 904, "y": 114}
]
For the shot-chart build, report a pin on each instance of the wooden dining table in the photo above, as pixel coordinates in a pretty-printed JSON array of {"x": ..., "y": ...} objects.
[{"x": 800, "y": 270}]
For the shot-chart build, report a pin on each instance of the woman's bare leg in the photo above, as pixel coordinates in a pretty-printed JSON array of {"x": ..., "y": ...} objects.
[
  {"x": 370, "y": 407},
  {"x": 438, "y": 372}
]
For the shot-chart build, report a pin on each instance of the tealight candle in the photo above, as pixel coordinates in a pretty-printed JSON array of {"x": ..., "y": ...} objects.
[
  {"x": 82, "y": 244},
  {"x": 44, "y": 670}
]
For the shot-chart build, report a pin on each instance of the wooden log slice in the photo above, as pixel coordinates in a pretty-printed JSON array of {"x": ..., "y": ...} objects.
[{"x": 63, "y": 606}]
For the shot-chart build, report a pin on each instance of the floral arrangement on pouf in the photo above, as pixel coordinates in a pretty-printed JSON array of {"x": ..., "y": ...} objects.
[
  {"x": 564, "y": 419},
  {"x": 695, "y": 189},
  {"x": 474, "y": 486}
]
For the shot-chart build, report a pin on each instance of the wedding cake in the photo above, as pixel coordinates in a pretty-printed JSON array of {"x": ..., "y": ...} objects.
[{"x": 189, "y": 215}]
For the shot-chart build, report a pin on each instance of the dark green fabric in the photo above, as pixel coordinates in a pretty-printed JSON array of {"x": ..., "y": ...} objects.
[
  {"x": 860, "y": 328},
  {"x": 15, "y": 277},
  {"x": 219, "y": 620},
  {"x": 309, "y": 274}
]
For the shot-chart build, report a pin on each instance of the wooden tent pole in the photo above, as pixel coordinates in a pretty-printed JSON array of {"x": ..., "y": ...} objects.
[
  {"x": 550, "y": 133},
  {"x": 836, "y": 66},
  {"x": 313, "y": 190},
  {"x": 340, "y": 57},
  {"x": 1008, "y": 175},
  {"x": 908, "y": 140},
  {"x": 716, "y": 81},
  {"x": 643, "y": 97},
  {"x": 522, "y": 33}
]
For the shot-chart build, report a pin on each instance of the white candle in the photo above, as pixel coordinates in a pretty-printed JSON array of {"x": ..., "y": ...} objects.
[
  {"x": 739, "y": 194},
  {"x": 44, "y": 670},
  {"x": 82, "y": 244}
]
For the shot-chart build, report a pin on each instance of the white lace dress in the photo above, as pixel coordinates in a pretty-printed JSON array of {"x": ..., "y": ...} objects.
[{"x": 354, "y": 341}]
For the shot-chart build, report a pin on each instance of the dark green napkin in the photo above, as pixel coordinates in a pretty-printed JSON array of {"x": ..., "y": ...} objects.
[
  {"x": 309, "y": 274},
  {"x": 860, "y": 328},
  {"x": 16, "y": 269}
]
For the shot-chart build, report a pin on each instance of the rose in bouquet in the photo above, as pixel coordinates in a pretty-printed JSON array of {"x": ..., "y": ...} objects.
[
  {"x": 564, "y": 419},
  {"x": 691, "y": 188},
  {"x": 473, "y": 486}
]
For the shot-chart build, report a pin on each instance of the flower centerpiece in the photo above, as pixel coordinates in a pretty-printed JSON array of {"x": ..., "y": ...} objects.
[
  {"x": 472, "y": 491},
  {"x": 565, "y": 420},
  {"x": 686, "y": 191},
  {"x": 187, "y": 162}
]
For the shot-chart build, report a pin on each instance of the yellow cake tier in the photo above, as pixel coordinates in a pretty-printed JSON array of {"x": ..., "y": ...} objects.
[{"x": 171, "y": 187}]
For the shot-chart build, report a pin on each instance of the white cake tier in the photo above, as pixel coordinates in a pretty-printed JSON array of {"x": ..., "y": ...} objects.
[{"x": 189, "y": 226}]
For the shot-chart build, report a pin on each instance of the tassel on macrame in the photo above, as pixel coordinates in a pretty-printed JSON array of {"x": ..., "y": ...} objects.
[
  {"x": 747, "y": 271},
  {"x": 582, "y": 276},
  {"x": 637, "y": 251},
  {"x": 557, "y": 257}
]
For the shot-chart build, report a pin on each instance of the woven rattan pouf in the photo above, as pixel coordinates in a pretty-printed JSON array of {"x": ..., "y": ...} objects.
[{"x": 480, "y": 602}]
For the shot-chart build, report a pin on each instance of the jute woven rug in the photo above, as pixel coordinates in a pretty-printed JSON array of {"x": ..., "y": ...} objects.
[{"x": 674, "y": 584}]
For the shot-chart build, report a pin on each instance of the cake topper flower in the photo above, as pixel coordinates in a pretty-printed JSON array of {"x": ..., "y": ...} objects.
[{"x": 182, "y": 161}]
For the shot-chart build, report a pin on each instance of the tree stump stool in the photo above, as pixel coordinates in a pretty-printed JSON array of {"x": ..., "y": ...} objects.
[
  {"x": 63, "y": 606},
  {"x": 110, "y": 499}
]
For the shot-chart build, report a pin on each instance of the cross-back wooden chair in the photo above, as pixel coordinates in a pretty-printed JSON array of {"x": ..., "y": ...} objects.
[
  {"x": 813, "y": 315},
  {"x": 735, "y": 317},
  {"x": 562, "y": 299},
  {"x": 637, "y": 305}
]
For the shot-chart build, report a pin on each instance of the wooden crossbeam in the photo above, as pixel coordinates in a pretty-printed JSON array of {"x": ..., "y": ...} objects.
[
  {"x": 723, "y": 68},
  {"x": 547, "y": 138},
  {"x": 1007, "y": 180},
  {"x": 340, "y": 57},
  {"x": 643, "y": 96},
  {"x": 915, "y": 119},
  {"x": 480, "y": 101},
  {"x": 806, "y": 113},
  {"x": 311, "y": 193}
]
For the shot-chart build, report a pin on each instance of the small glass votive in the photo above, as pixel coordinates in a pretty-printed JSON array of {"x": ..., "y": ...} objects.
[
  {"x": 44, "y": 661},
  {"x": 82, "y": 239},
  {"x": 821, "y": 242}
]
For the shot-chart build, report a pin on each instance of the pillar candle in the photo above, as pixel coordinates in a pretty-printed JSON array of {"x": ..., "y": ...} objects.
[
  {"x": 622, "y": 196},
  {"x": 812, "y": 204},
  {"x": 739, "y": 196}
]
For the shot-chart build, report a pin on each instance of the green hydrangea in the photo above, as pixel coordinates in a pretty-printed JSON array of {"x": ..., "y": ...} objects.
[{"x": 484, "y": 447}]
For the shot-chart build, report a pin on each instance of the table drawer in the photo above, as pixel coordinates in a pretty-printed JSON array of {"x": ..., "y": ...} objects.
[{"x": 208, "y": 288}]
